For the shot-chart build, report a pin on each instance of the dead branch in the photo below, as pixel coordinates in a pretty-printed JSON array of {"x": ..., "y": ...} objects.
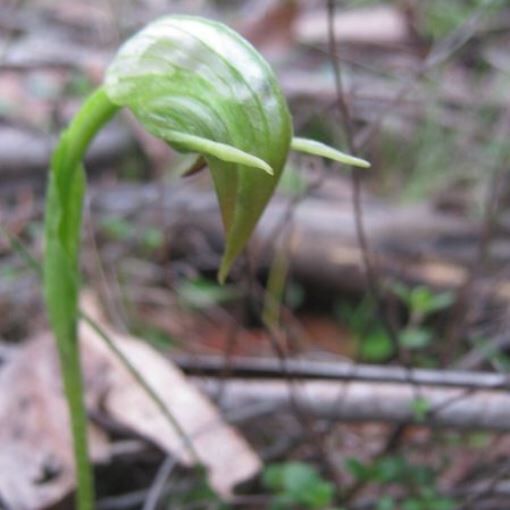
[
  {"x": 367, "y": 401},
  {"x": 32, "y": 159},
  {"x": 413, "y": 243},
  {"x": 245, "y": 367}
]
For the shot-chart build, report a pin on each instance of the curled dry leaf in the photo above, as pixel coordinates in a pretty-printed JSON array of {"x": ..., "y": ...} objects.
[
  {"x": 226, "y": 455},
  {"x": 36, "y": 462}
]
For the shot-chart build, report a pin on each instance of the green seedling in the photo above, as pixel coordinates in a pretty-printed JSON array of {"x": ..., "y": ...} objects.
[
  {"x": 200, "y": 294},
  {"x": 297, "y": 485},
  {"x": 420, "y": 407},
  {"x": 422, "y": 301},
  {"x": 203, "y": 89},
  {"x": 373, "y": 342},
  {"x": 417, "y": 483}
]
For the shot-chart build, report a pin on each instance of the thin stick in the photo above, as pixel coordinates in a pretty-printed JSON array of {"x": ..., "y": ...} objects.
[
  {"x": 259, "y": 368},
  {"x": 159, "y": 483},
  {"x": 370, "y": 271}
]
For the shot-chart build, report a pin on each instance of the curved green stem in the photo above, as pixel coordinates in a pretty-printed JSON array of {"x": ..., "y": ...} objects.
[{"x": 66, "y": 188}]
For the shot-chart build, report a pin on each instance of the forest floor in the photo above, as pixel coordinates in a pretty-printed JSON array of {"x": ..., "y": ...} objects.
[{"x": 327, "y": 372}]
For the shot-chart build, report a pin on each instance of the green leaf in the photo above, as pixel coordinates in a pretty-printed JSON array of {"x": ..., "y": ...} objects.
[
  {"x": 298, "y": 483},
  {"x": 376, "y": 346},
  {"x": 297, "y": 476},
  {"x": 424, "y": 301},
  {"x": 118, "y": 229},
  {"x": 318, "y": 496},
  {"x": 415, "y": 338},
  {"x": 362, "y": 472},
  {"x": 201, "y": 293},
  {"x": 390, "y": 469},
  {"x": 420, "y": 407},
  {"x": 325, "y": 151},
  {"x": 272, "y": 477},
  {"x": 153, "y": 238},
  {"x": 303, "y": 483},
  {"x": 442, "y": 301},
  {"x": 402, "y": 291},
  {"x": 386, "y": 503},
  {"x": 198, "y": 85},
  {"x": 413, "y": 504}
]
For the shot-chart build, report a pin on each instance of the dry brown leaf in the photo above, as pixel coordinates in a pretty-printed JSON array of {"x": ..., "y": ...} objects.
[
  {"x": 36, "y": 464},
  {"x": 226, "y": 455}
]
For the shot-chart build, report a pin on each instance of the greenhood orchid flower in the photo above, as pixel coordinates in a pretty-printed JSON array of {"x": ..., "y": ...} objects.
[{"x": 202, "y": 88}]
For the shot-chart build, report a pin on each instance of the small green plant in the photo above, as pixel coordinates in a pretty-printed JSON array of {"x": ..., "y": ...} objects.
[
  {"x": 421, "y": 303},
  {"x": 203, "y": 89},
  {"x": 117, "y": 229},
  {"x": 500, "y": 359},
  {"x": 414, "y": 485},
  {"x": 200, "y": 293},
  {"x": 440, "y": 18},
  {"x": 200, "y": 496},
  {"x": 420, "y": 407},
  {"x": 297, "y": 484},
  {"x": 374, "y": 342},
  {"x": 120, "y": 229}
]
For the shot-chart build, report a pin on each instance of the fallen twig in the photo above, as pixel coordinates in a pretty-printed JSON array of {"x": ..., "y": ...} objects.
[
  {"x": 340, "y": 371},
  {"x": 369, "y": 401}
]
